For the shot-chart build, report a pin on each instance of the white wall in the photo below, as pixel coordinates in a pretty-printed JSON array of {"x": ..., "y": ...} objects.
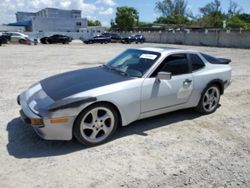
[
  {"x": 11, "y": 28},
  {"x": 232, "y": 39}
]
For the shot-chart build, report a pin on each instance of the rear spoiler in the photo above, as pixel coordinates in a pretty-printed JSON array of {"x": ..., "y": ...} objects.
[
  {"x": 214, "y": 60},
  {"x": 224, "y": 61}
]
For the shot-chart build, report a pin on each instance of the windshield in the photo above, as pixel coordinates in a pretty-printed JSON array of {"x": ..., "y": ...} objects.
[{"x": 133, "y": 63}]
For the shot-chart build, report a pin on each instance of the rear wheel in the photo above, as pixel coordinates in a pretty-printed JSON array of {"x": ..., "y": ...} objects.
[
  {"x": 209, "y": 100},
  {"x": 96, "y": 124}
]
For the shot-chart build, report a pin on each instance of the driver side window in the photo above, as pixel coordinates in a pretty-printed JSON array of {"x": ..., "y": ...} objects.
[{"x": 176, "y": 64}]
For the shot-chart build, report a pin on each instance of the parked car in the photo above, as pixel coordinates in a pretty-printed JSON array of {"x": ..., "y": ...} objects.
[
  {"x": 91, "y": 103},
  {"x": 133, "y": 38},
  {"x": 97, "y": 39},
  {"x": 54, "y": 39},
  {"x": 140, "y": 38},
  {"x": 114, "y": 37},
  {"x": 3, "y": 40},
  {"x": 8, "y": 35},
  {"x": 18, "y": 38}
]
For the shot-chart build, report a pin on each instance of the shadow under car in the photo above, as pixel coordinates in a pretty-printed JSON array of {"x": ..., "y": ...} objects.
[{"x": 24, "y": 143}]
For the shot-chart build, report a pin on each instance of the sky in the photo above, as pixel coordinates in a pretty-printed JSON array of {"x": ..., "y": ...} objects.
[{"x": 103, "y": 10}]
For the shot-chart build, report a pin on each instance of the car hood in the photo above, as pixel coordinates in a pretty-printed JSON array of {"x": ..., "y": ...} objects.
[{"x": 64, "y": 85}]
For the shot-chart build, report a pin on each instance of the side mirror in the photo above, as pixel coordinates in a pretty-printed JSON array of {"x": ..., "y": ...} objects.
[{"x": 164, "y": 75}]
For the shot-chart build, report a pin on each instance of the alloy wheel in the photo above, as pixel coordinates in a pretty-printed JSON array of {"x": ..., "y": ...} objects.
[{"x": 97, "y": 124}]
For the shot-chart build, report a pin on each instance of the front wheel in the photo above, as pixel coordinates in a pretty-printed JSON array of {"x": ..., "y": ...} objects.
[
  {"x": 22, "y": 41},
  {"x": 209, "y": 101},
  {"x": 96, "y": 124}
]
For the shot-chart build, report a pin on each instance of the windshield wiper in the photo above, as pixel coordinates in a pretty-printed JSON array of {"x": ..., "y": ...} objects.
[
  {"x": 106, "y": 66},
  {"x": 114, "y": 69},
  {"x": 119, "y": 71}
]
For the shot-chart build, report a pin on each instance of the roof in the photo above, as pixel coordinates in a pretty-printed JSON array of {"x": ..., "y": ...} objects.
[
  {"x": 166, "y": 50},
  {"x": 22, "y": 23}
]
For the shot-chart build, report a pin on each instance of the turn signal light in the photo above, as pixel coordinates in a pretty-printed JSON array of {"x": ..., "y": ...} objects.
[
  {"x": 59, "y": 120},
  {"x": 36, "y": 121}
]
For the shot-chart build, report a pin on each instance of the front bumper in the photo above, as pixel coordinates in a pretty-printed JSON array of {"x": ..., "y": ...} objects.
[{"x": 47, "y": 131}]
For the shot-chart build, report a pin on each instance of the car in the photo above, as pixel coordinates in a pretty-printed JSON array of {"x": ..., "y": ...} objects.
[
  {"x": 140, "y": 38},
  {"x": 3, "y": 40},
  {"x": 18, "y": 38},
  {"x": 10, "y": 34},
  {"x": 127, "y": 39},
  {"x": 54, "y": 39},
  {"x": 133, "y": 38},
  {"x": 90, "y": 104},
  {"x": 97, "y": 39},
  {"x": 114, "y": 37}
]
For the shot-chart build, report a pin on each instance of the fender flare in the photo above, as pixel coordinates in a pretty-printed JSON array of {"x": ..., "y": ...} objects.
[{"x": 219, "y": 82}]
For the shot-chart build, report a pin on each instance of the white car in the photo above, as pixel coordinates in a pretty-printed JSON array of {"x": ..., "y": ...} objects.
[
  {"x": 18, "y": 38},
  {"x": 91, "y": 103}
]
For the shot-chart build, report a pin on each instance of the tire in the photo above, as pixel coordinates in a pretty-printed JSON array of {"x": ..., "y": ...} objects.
[
  {"x": 209, "y": 100},
  {"x": 21, "y": 41},
  {"x": 96, "y": 124}
]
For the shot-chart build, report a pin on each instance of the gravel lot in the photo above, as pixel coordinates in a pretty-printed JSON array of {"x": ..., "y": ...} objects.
[{"x": 180, "y": 149}]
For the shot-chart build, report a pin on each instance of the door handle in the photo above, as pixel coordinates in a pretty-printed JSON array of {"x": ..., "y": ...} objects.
[{"x": 187, "y": 82}]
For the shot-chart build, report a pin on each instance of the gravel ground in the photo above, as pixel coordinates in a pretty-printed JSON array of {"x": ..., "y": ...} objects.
[{"x": 180, "y": 149}]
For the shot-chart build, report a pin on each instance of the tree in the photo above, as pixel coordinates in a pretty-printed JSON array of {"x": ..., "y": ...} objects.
[
  {"x": 94, "y": 23},
  {"x": 112, "y": 24},
  {"x": 212, "y": 15},
  {"x": 172, "y": 8},
  {"x": 177, "y": 20},
  {"x": 144, "y": 24},
  {"x": 235, "y": 22},
  {"x": 98, "y": 23},
  {"x": 244, "y": 17},
  {"x": 126, "y": 18},
  {"x": 211, "y": 8},
  {"x": 233, "y": 9},
  {"x": 173, "y": 12}
]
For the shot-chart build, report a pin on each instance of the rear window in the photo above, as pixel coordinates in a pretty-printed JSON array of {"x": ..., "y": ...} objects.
[
  {"x": 211, "y": 59},
  {"x": 196, "y": 62}
]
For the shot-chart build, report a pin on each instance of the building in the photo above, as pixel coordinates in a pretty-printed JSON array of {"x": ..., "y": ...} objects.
[
  {"x": 51, "y": 20},
  {"x": 92, "y": 30},
  {"x": 5, "y": 28}
]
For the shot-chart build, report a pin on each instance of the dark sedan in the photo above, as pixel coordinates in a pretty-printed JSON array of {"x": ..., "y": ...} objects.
[
  {"x": 114, "y": 37},
  {"x": 98, "y": 39},
  {"x": 54, "y": 39}
]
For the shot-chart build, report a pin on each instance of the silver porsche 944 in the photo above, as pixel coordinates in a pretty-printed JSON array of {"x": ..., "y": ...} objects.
[{"x": 89, "y": 104}]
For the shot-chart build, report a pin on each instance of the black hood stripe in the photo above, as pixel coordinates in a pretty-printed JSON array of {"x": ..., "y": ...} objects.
[{"x": 70, "y": 83}]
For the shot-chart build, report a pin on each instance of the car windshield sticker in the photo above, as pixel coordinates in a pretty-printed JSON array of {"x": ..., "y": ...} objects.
[{"x": 148, "y": 56}]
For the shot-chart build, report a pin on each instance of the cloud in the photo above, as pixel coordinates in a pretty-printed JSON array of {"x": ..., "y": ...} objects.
[
  {"x": 106, "y": 2},
  {"x": 107, "y": 11},
  {"x": 8, "y": 8},
  {"x": 105, "y": 24}
]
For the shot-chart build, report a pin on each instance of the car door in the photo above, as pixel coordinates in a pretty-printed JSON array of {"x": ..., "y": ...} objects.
[
  {"x": 54, "y": 39},
  {"x": 159, "y": 94}
]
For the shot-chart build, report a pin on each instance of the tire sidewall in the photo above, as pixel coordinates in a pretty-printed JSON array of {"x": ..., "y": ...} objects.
[
  {"x": 200, "y": 108},
  {"x": 77, "y": 124}
]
